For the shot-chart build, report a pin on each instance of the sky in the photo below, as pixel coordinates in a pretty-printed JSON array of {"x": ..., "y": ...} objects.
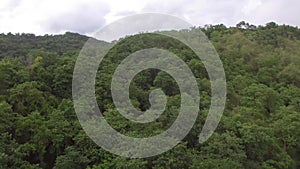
[{"x": 86, "y": 16}]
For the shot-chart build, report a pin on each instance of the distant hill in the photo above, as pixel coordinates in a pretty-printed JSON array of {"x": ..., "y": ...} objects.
[{"x": 19, "y": 45}]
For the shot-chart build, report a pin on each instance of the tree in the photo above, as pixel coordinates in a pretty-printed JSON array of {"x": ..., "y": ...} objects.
[
  {"x": 30, "y": 96},
  {"x": 71, "y": 160}
]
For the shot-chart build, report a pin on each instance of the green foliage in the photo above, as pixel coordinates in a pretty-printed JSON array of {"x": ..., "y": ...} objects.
[
  {"x": 260, "y": 127},
  {"x": 71, "y": 160}
]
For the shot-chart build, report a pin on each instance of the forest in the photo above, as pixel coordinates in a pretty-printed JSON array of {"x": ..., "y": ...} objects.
[{"x": 259, "y": 129}]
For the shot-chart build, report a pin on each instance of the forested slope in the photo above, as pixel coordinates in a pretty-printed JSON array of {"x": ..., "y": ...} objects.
[{"x": 260, "y": 127}]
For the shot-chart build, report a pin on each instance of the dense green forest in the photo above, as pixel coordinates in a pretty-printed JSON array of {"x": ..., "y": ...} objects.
[{"x": 260, "y": 127}]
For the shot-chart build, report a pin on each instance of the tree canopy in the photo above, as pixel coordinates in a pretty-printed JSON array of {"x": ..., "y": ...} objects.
[{"x": 260, "y": 127}]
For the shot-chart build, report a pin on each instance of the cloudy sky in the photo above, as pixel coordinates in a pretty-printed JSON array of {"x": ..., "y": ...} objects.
[{"x": 86, "y": 16}]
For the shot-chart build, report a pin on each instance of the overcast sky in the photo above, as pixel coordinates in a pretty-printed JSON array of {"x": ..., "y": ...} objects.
[{"x": 86, "y": 16}]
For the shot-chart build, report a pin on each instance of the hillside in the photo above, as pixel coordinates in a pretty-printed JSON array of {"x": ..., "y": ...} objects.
[{"x": 260, "y": 127}]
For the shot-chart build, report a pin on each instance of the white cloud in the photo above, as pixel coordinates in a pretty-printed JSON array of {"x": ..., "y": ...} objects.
[
  {"x": 55, "y": 16},
  {"x": 84, "y": 16},
  {"x": 280, "y": 11},
  {"x": 251, "y": 6}
]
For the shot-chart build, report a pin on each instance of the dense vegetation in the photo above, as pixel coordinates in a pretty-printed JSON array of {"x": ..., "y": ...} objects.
[{"x": 260, "y": 127}]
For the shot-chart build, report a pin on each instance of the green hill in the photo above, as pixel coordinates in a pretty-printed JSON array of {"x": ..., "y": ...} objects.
[{"x": 260, "y": 127}]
